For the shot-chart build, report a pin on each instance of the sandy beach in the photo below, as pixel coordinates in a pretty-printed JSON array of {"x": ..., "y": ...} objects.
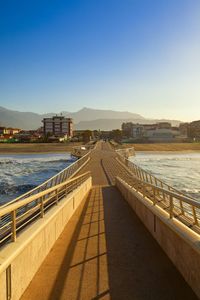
[
  {"x": 61, "y": 148},
  {"x": 183, "y": 147},
  {"x": 37, "y": 148}
]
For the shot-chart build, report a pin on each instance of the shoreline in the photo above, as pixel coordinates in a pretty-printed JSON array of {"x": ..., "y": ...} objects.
[
  {"x": 168, "y": 151},
  {"x": 45, "y": 148},
  {"x": 40, "y": 148},
  {"x": 165, "y": 148}
]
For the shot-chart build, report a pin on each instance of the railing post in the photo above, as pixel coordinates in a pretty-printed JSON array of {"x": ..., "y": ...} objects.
[
  {"x": 65, "y": 190},
  {"x": 143, "y": 189},
  {"x": 135, "y": 185},
  {"x": 154, "y": 196},
  {"x": 146, "y": 177},
  {"x": 171, "y": 207},
  {"x": 196, "y": 222},
  {"x": 163, "y": 191},
  {"x": 14, "y": 236},
  {"x": 42, "y": 207},
  {"x": 56, "y": 196},
  {"x": 182, "y": 209},
  {"x": 143, "y": 176}
]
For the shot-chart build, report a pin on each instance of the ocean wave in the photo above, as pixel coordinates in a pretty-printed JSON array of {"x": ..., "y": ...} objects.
[
  {"x": 11, "y": 189},
  {"x": 166, "y": 159},
  {"x": 21, "y": 173},
  {"x": 189, "y": 191},
  {"x": 182, "y": 171},
  {"x": 40, "y": 161}
]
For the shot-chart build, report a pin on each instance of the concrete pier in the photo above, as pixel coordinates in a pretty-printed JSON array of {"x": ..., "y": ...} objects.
[{"x": 105, "y": 252}]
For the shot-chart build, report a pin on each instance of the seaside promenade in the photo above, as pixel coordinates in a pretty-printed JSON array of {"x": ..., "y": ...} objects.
[{"x": 105, "y": 251}]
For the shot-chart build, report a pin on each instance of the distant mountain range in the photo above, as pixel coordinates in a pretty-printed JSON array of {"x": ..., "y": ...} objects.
[{"x": 85, "y": 118}]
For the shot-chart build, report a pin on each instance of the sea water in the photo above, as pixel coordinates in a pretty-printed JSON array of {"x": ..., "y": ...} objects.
[
  {"x": 23, "y": 172},
  {"x": 180, "y": 170}
]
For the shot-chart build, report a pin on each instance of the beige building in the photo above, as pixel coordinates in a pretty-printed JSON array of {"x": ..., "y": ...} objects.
[
  {"x": 9, "y": 130},
  {"x": 158, "y": 132}
]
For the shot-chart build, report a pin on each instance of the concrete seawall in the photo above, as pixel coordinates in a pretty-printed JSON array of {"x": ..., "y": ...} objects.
[
  {"x": 20, "y": 261},
  {"x": 181, "y": 244}
]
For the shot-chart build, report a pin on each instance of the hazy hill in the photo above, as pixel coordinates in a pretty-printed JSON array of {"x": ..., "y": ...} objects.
[
  {"x": 24, "y": 120},
  {"x": 89, "y": 114},
  {"x": 85, "y": 118}
]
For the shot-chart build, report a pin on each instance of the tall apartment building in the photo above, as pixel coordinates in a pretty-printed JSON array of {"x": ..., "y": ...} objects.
[{"x": 58, "y": 126}]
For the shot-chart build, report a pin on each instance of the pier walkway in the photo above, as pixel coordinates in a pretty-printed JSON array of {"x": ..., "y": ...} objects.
[{"x": 105, "y": 252}]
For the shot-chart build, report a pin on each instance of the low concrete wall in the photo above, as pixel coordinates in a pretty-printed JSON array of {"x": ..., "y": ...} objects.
[
  {"x": 20, "y": 261},
  {"x": 180, "y": 243}
]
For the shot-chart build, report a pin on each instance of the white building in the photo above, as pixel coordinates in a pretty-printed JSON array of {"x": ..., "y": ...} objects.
[{"x": 161, "y": 135}]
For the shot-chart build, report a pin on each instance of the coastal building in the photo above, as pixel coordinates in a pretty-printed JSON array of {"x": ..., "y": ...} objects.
[
  {"x": 161, "y": 135},
  {"x": 7, "y": 134},
  {"x": 58, "y": 126},
  {"x": 164, "y": 125},
  {"x": 194, "y": 130},
  {"x": 9, "y": 130},
  {"x": 3, "y": 130},
  {"x": 158, "y": 132},
  {"x": 138, "y": 131},
  {"x": 127, "y": 128},
  {"x": 184, "y": 129},
  {"x": 28, "y": 136},
  {"x": 191, "y": 130}
]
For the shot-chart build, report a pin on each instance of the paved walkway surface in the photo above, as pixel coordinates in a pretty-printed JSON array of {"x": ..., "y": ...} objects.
[{"x": 105, "y": 252}]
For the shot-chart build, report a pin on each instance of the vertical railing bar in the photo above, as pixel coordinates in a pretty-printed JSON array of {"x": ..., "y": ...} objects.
[
  {"x": 171, "y": 207},
  {"x": 14, "y": 236},
  {"x": 154, "y": 195},
  {"x": 42, "y": 207},
  {"x": 56, "y": 196},
  {"x": 194, "y": 215}
]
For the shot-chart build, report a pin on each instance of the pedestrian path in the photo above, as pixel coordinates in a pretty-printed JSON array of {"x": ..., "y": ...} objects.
[{"x": 105, "y": 252}]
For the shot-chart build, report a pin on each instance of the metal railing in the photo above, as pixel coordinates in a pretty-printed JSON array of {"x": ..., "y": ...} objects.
[
  {"x": 18, "y": 215},
  {"x": 176, "y": 205},
  {"x": 146, "y": 176},
  {"x": 60, "y": 177}
]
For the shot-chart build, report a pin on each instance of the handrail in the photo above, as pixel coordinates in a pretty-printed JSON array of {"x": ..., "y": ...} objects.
[
  {"x": 178, "y": 203},
  {"x": 181, "y": 207},
  {"x": 147, "y": 176},
  {"x": 64, "y": 174},
  {"x": 173, "y": 194},
  {"x": 14, "y": 206},
  {"x": 19, "y": 214}
]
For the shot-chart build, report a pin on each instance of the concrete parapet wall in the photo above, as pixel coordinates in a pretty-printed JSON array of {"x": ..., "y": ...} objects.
[
  {"x": 20, "y": 261},
  {"x": 180, "y": 243}
]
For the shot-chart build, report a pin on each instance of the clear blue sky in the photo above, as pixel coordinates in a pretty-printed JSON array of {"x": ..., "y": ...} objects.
[{"x": 137, "y": 55}]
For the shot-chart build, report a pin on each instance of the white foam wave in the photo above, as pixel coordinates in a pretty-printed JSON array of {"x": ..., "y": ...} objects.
[{"x": 20, "y": 173}]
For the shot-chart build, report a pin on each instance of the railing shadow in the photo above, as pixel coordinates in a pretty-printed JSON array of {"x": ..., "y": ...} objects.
[
  {"x": 81, "y": 265},
  {"x": 137, "y": 266},
  {"x": 111, "y": 255}
]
